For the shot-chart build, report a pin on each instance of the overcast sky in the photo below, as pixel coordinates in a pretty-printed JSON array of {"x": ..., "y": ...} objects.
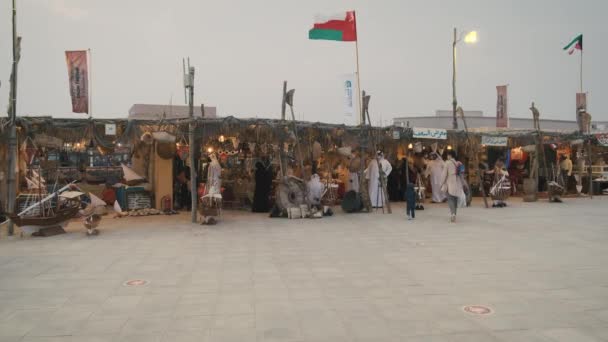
[{"x": 243, "y": 50}]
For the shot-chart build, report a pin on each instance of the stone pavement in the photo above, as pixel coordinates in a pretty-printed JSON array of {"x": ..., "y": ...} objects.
[{"x": 540, "y": 267}]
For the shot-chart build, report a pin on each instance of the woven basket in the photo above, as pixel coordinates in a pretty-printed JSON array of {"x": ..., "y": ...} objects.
[{"x": 166, "y": 150}]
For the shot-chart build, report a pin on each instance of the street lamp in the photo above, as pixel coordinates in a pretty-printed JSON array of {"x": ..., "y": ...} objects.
[{"x": 469, "y": 38}]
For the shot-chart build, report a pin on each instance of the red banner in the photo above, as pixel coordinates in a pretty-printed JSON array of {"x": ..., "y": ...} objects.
[
  {"x": 79, "y": 80},
  {"x": 502, "y": 115},
  {"x": 581, "y": 101}
]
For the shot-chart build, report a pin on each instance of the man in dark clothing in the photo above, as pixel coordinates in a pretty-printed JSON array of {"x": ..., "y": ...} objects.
[{"x": 410, "y": 197}]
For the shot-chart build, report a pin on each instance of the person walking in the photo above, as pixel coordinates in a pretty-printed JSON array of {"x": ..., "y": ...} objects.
[
  {"x": 410, "y": 197},
  {"x": 452, "y": 184}
]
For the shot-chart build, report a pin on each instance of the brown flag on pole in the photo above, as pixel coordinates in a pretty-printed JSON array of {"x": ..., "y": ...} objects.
[
  {"x": 79, "y": 80},
  {"x": 502, "y": 114}
]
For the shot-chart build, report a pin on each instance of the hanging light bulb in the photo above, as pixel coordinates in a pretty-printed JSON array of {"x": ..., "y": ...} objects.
[
  {"x": 222, "y": 138},
  {"x": 210, "y": 150},
  {"x": 410, "y": 146},
  {"x": 449, "y": 147}
]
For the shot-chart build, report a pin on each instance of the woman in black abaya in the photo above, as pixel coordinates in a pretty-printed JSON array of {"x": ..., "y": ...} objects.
[{"x": 263, "y": 184}]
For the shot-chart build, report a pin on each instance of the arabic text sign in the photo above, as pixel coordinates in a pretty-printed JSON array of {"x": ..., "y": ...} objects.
[
  {"x": 494, "y": 141},
  {"x": 602, "y": 139},
  {"x": 430, "y": 133}
]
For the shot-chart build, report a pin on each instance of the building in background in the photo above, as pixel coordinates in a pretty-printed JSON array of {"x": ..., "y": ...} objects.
[
  {"x": 476, "y": 120},
  {"x": 157, "y": 112}
]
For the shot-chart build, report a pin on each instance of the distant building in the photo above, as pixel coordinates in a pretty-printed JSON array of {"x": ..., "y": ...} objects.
[
  {"x": 476, "y": 120},
  {"x": 157, "y": 112}
]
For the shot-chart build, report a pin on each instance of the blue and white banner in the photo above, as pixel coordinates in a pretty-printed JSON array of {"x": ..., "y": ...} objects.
[
  {"x": 349, "y": 87},
  {"x": 430, "y": 133}
]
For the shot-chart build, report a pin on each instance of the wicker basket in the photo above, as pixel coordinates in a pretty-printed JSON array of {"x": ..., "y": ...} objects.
[{"x": 210, "y": 207}]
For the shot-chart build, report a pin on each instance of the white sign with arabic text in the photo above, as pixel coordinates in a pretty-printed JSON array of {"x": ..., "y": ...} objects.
[
  {"x": 494, "y": 141},
  {"x": 430, "y": 133}
]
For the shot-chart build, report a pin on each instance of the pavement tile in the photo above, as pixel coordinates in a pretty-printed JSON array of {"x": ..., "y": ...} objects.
[{"x": 345, "y": 278}]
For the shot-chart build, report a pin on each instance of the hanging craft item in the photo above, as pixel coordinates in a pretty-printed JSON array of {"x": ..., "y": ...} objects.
[
  {"x": 30, "y": 150},
  {"x": 183, "y": 149},
  {"x": 317, "y": 150},
  {"x": 130, "y": 176},
  {"x": 418, "y": 147},
  {"x": 147, "y": 138},
  {"x": 165, "y": 150},
  {"x": 251, "y": 147},
  {"x": 163, "y": 137}
]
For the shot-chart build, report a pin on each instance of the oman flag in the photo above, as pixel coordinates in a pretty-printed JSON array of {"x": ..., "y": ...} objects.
[
  {"x": 341, "y": 27},
  {"x": 577, "y": 43}
]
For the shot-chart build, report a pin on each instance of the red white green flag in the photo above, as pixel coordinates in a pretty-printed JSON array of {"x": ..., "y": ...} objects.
[
  {"x": 575, "y": 44},
  {"x": 341, "y": 27}
]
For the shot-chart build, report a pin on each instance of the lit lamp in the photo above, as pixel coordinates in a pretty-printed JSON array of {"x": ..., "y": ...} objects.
[
  {"x": 222, "y": 138},
  {"x": 210, "y": 150},
  {"x": 469, "y": 38},
  {"x": 449, "y": 147},
  {"x": 410, "y": 146}
]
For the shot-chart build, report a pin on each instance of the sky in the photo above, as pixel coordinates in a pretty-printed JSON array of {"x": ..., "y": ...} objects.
[{"x": 244, "y": 50}]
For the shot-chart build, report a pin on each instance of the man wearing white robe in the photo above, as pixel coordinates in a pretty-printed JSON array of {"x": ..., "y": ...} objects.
[
  {"x": 434, "y": 169},
  {"x": 372, "y": 174}
]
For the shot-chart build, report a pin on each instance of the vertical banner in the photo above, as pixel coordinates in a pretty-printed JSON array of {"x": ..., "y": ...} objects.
[
  {"x": 581, "y": 104},
  {"x": 502, "y": 114},
  {"x": 349, "y": 91},
  {"x": 349, "y": 96},
  {"x": 79, "y": 80},
  {"x": 581, "y": 101}
]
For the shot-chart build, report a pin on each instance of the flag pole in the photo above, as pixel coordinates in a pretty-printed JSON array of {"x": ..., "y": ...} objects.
[
  {"x": 581, "y": 72},
  {"x": 90, "y": 109},
  {"x": 361, "y": 114}
]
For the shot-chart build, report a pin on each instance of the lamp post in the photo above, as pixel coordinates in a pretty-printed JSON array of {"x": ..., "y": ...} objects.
[{"x": 469, "y": 38}]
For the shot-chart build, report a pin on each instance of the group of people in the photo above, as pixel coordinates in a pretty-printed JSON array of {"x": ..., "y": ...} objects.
[{"x": 446, "y": 180}]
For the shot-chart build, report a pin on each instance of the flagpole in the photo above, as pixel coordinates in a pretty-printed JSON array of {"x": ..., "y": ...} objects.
[
  {"x": 581, "y": 73},
  {"x": 359, "y": 94},
  {"x": 361, "y": 115},
  {"x": 90, "y": 84}
]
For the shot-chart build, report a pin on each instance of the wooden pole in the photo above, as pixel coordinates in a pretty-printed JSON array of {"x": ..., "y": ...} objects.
[
  {"x": 297, "y": 144},
  {"x": 359, "y": 93},
  {"x": 283, "y": 105},
  {"x": 191, "y": 142},
  {"x": 454, "y": 101},
  {"x": 479, "y": 178},
  {"x": 590, "y": 172},
  {"x": 90, "y": 84},
  {"x": 12, "y": 140}
]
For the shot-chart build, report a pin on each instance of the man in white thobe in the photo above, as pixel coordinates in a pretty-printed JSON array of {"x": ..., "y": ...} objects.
[
  {"x": 434, "y": 170},
  {"x": 372, "y": 174}
]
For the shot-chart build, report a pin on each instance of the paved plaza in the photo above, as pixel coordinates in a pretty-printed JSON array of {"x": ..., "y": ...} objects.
[{"x": 540, "y": 268}]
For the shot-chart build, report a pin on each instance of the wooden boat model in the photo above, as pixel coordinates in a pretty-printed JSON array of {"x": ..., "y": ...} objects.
[
  {"x": 50, "y": 213},
  {"x": 58, "y": 217}
]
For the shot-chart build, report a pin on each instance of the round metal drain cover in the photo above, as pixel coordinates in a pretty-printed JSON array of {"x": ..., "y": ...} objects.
[
  {"x": 477, "y": 310},
  {"x": 135, "y": 282}
]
